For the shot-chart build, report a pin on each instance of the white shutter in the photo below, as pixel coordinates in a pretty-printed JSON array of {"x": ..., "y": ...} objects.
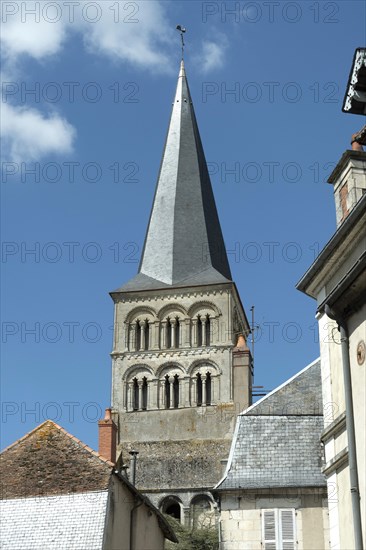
[
  {"x": 287, "y": 529},
  {"x": 269, "y": 529}
]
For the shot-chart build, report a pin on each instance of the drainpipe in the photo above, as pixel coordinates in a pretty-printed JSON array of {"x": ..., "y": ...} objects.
[
  {"x": 133, "y": 465},
  {"x": 350, "y": 426},
  {"x": 132, "y": 524}
]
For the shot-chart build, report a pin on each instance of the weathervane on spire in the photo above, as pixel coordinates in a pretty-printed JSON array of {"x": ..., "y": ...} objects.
[{"x": 182, "y": 30}]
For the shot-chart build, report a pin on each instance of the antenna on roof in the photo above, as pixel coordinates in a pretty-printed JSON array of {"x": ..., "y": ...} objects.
[{"x": 182, "y": 30}]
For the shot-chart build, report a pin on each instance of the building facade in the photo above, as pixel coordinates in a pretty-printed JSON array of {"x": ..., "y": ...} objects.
[
  {"x": 337, "y": 280},
  {"x": 178, "y": 381},
  {"x": 273, "y": 495}
]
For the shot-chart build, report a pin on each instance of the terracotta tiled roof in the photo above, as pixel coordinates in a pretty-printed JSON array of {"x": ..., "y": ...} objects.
[{"x": 50, "y": 461}]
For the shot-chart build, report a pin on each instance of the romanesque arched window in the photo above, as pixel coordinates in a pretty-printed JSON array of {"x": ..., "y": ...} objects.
[
  {"x": 176, "y": 392},
  {"x": 207, "y": 331},
  {"x": 144, "y": 394},
  {"x": 199, "y": 389},
  {"x": 201, "y": 512},
  {"x": 208, "y": 389},
  {"x": 199, "y": 331},
  {"x": 146, "y": 335},
  {"x": 167, "y": 392},
  {"x": 135, "y": 395},
  {"x": 172, "y": 507},
  {"x": 138, "y": 336},
  {"x": 168, "y": 337},
  {"x": 171, "y": 391},
  {"x": 177, "y": 333}
]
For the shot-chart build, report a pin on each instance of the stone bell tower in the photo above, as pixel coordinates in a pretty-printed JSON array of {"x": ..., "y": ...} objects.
[{"x": 178, "y": 380}]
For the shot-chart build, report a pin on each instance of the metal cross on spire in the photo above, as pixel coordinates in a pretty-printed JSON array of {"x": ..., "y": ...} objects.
[{"x": 182, "y": 30}]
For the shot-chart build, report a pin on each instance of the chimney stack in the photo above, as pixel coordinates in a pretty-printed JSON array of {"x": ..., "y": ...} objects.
[
  {"x": 107, "y": 437},
  {"x": 242, "y": 374}
]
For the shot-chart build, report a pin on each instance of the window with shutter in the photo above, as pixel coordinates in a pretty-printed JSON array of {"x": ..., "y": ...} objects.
[
  {"x": 278, "y": 529},
  {"x": 269, "y": 530},
  {"x": 287, "y": 529}
]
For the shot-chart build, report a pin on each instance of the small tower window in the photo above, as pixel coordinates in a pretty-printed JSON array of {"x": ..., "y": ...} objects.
[
  {"x": 138, "y": 336},
  {"x": 168, "y": 334},
  {"x": 208, "y": 330},
  {"x": 135, "y": 395},
  {"x": 177, "y": 332},
  {"x": 176, "y": 392},
  {"x": 146, "y": 335},
  {"x": 199, "y": 331},
  {"x": 199, "y": 390},
  {"x": 208, "y": 389},
  {"x": 167, "y": 392},
  {"x": 144, "y": 394}
]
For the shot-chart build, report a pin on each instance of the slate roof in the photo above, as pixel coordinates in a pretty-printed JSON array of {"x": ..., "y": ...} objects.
[
  {"x": 277, "y": 440},
  {"x": 184, "y": 244},
  {"x": 72, "y": 522}
]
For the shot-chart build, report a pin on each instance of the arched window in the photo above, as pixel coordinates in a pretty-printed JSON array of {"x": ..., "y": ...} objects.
[
  {"x": 168, "y": 334},
  {"x": 208, "y": 389},
  {"x": 144, "y": 394},
  {"x": 208, "y": 330},
  {"x": 199, "y": 390},
  {"x": 138, "y": 336},
  {"x": 146, "y": 335},
  {"x": 171, "y": 507},
  {"x": 167, "y": 392},
  {"x": 202, "y": 514},
  {"x": 135, "y": 395},
  {"x": 177, "y": 333},
  {"x": 199, "y": 331},
  {"x": 176, "y": 392}
]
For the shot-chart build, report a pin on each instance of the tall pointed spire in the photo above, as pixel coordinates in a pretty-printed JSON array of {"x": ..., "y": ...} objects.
[{"x": 184, "y": 244}]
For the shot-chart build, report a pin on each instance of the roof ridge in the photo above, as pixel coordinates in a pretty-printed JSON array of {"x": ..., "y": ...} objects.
[
  {"x": 286, "y": 383},
  {"x": 65, "y": 432}
]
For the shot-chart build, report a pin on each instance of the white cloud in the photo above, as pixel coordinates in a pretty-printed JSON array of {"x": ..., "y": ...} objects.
[
  {"x": 139, "y": 34},
  {"x": 213, "y": 54},
  {"x": 142, "y": 37},
  {"x": 134, "y": 32},
  {"x": 35, "y": 38},
  {"x": 29, "y": 135}
]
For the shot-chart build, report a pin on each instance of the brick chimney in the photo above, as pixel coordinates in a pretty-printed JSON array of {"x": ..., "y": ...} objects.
[
  {"x": 242, "y": 374},
  {"x": 349, "y": 182},
  {"x": 107, "y": 437}
]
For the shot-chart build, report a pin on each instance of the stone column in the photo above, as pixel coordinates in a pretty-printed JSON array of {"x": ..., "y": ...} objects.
[
  {"x": 186, "y": 385},
  {"x": 215, "y": 331},
  {"x": 173, "y": 324},
  {"x": 131, "y": 336},
  {"x": 213, "y": 389},
  {"x": 124, "y": 335},
  {"x": 203, "y": 325},
  {"x": 203, "y": 378},
  {"x": 150, "y": 332},
  {"x": 152, "y": 393},
  {"x": 140, "y": 394},
  {"x": 163, "y": 335},
  {"x": 171, "y": 383},
  {"x": 162, "y": 394},
  {"x": 142, "y": 336},
  {"x": 155, "y": 328},
  {"x": 194, "y": 333},
  {"x": 130, "y": 393},
  {"x": 187, "y": 333}
]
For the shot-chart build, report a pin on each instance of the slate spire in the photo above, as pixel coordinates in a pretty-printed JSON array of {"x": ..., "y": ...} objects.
[{"x": 184, "y": 243}]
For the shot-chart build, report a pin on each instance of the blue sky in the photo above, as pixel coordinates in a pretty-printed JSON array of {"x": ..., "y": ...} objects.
[{"x": 267, "y": 80}]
